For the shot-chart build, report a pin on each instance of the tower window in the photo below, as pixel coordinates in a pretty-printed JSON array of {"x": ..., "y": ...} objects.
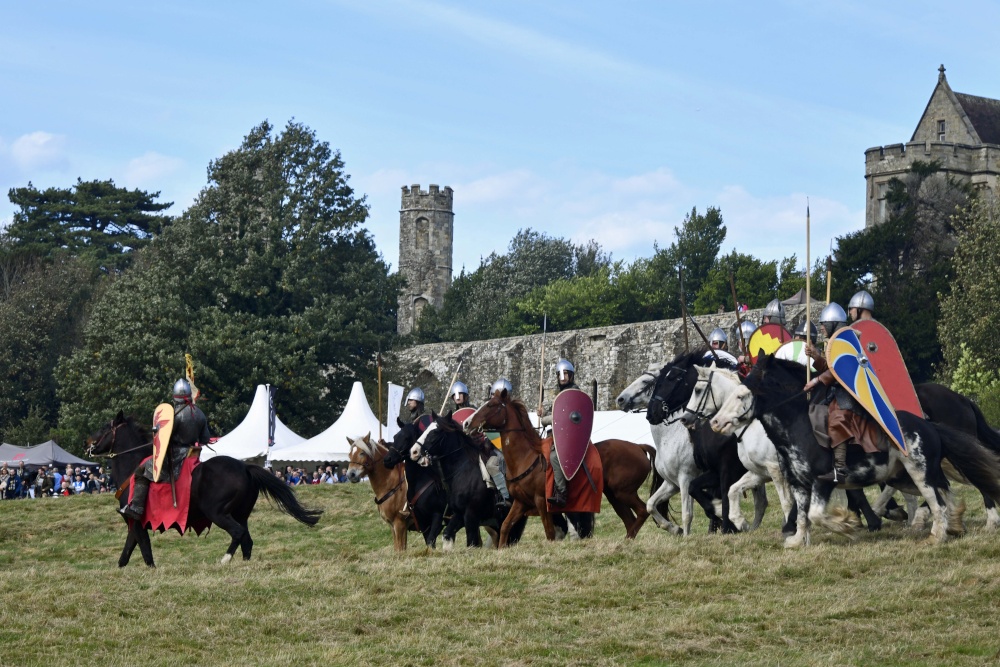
[
  {"x": 941, "y": 130},
  {"x": 883, "y": 189},
  {"x": 423, "y": 234}
]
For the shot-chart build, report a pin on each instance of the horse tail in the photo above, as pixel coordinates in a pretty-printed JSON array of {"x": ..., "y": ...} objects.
[
  {"x": 282, "y": 495},
  {"x": 657, "y": 481},
  {"x": 972, "y": 459},
  {"x": 988, "y": 435}
]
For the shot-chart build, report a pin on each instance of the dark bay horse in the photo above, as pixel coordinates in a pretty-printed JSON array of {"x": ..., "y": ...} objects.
[
  {"x": 426, "y": 498},
  {"x": 444, "y": 447},
  {"x": 224, "y": 490},
  {"x": 626, "y": 467}
]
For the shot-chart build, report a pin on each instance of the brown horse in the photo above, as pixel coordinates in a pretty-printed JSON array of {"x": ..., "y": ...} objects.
[
  {"x": 626, "y": 467},
  {"x": 389, "y": 485}
]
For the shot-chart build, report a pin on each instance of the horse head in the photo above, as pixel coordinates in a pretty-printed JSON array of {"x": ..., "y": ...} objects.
[
  {"x": 711, "y": 389},
  {"x": 364, "y": 456},
  {"x": 491, "y": 414},
  {"x": 441, "y": 439},
  {"x": 417, "y": 451},
  {"x": 408, "y": 433},
  {"x": 107, "y": 439},
  {"x": 673, "y": 386},
  {"x": 772, "y": 383},
  {"x": 639, "y": 392}
]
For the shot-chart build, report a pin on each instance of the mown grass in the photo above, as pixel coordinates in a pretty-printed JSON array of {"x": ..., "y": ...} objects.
[{"x": 338, "y": 594}]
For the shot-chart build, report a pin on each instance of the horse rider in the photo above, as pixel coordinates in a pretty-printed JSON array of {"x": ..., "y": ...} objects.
[
  {"x": 500, "y": 385},
  {"x": 718, "y": 339},
  {"x": 800, "y": 332},
  {"x": 460, "y": 395},
  {"x": 774, "y": 313},
  {"x": 832, "y": 318},
  {"x": 836, "y": 417},
  {"x": 494, "y": 462},
  {"x": 415, "y": 404},
  {"x": 190, "y": 430},
  {"x": 565, "y": 373},
  {"x": 746, "y": 330},
  {"x": 861, "y": 306}
]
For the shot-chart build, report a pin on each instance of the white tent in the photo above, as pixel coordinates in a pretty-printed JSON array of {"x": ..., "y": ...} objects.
[
  {"x": 356, "y": 420},
  {"x": 249, "y": 439},
  {"x": 616, "y": 425}
]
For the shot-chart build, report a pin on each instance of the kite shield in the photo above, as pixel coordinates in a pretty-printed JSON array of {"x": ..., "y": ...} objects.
[
  {"x": 163, "y": 426},
  {"x": 572, "y": 423},
  {"x": 883, "y": 354},
  {"x": 852, "y": 369}
]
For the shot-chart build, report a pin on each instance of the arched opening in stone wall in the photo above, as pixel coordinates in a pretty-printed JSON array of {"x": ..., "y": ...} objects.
[
  {"x": 418, "y": 307},
  {"x": 423, "y": 237}
]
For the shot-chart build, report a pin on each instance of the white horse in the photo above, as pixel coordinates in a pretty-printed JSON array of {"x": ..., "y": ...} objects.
[
  {"x": 755, "y": 449},
  {"x": 675, "y": 461}
]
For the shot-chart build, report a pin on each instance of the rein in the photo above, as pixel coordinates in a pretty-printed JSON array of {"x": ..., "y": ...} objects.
[{"x": 114, "y": 436}]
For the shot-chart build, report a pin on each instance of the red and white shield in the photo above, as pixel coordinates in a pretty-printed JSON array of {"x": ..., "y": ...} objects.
[{"x": 572, "y": 423}]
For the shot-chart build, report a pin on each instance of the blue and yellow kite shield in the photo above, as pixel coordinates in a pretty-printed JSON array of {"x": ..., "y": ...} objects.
[{"x": 850, "y": 366}]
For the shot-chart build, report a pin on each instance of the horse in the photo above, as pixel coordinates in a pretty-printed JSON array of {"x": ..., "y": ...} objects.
[
  {"x": 710, "y": 464},
  {"x": 773, "y": 393},
  {"x": 457, "y": 459},
  {"x": 389, "y": 485},
  {"x": 224, "y": 490},
  {"x": 944, "y": 406},
  {"x": 756, "y": 450},
  {"x": 675, "y": 463},
  {"x": 424, "y": 495},
  {"x": 626, "y": 466}
]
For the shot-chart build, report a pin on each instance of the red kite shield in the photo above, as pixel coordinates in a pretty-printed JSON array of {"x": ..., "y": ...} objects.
[
  {"x": 766, "y": 340},
  {"x": 163, "y": 425},
  {"x": 883, "y": 355},
  {"x": 572, "y": 423},
  {"x": 462, "y": 414}
]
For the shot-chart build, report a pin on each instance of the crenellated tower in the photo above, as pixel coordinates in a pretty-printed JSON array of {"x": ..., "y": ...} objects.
[{"x": 426, "y": 230}]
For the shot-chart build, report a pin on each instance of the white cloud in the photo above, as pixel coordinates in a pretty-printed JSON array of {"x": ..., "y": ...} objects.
[
  {"x": 150, "y": 169},
  {"x": 39, "y": 150}
]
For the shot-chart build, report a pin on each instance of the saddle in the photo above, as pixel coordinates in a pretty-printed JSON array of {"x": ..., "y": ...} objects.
[{"x": 160, "y": 514}]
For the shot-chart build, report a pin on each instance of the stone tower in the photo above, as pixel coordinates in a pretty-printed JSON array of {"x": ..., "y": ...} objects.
[
  {"x": 959, "y": 131},
  {"x": 426, "y": 226}
]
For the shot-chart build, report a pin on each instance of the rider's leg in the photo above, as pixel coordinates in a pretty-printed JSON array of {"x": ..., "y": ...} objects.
[
  {"x": 558, "y": 481},
  {"x": 494, "y": 468},
  {"x": 137, "y": 506}
]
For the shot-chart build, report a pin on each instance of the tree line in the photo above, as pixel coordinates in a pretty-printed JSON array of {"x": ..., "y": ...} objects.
[{"x": 270, "y": 276}]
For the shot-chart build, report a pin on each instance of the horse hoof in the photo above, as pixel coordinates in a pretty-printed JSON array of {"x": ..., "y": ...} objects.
[
  {"x": 448, "y": 545},
  {"x": 227, "y": 558},
  {"x": 560, "y": 534}
]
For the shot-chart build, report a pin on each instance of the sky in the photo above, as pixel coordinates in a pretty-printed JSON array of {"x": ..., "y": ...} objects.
[{"x": 583, "y": 120}]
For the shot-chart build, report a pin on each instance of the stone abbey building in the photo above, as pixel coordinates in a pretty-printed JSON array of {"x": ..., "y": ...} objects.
[{"x": 961, "y": 132}]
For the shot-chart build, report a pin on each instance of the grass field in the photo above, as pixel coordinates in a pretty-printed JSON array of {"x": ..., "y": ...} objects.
[{"x": 338, "y": 594}]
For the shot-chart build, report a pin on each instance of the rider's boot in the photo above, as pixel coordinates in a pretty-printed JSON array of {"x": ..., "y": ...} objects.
[
  {"x": 137, "y": 507},
  {"x": 501, "y": 483},
  {"x": 839, "y": 472}
]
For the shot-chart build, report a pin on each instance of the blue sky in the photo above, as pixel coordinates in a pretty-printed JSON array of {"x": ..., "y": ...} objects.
[{"x": 585, "y": 120}]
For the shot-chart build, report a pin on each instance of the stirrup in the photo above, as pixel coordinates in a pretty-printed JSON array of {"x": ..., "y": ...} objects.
[{"x": 130, "y": 512}]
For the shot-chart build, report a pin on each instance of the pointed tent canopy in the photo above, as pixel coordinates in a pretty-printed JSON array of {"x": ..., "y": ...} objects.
[
  {"x": 47, "y": 453},
  {"x": 356, "y": 420},
  {"x": 249, "y": 439},
  {"x": 798, "y": 299}
]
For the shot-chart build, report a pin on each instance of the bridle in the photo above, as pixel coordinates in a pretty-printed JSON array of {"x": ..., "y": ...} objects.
[{"x": 111, "y": 446}]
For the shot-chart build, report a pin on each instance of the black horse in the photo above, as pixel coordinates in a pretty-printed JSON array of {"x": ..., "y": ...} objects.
[
  {"x": 773, "y": 393},
  {"x": 716, "y": 454},
  {"x": 223, "y": 489},
  {"x": 424, "y": 493},
  {"x": 944, "y": 406},
  {"x": 445, "y": 447}
]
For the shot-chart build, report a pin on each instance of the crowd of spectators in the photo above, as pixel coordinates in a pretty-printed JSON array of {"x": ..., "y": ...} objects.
[
  {"x": 323, "y": 474},
  {"x": 49, "y": 481}
]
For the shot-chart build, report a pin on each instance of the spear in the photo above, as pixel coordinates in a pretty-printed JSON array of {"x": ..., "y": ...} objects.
[
  {"x": 378, "y": 359},
  {"x": 687, "y": 346},
  {"x": 808, "y": 337},
  {"x": 739, "y": 320},
  {"x": 541, "y": 363},
  {"x": 704, "y": 338},
  {"x": 829, "y": 272},
  {"x": 448, "y": 393}
]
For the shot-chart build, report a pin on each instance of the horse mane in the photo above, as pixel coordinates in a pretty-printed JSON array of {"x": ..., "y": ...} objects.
[
  {"x": 763, "y": 379},
  {"x": 524, "y": 423},
  {"x": 686, "y": 359},
  {"x": 143, "y": 432},
  {"x": 727, "y": 373}
]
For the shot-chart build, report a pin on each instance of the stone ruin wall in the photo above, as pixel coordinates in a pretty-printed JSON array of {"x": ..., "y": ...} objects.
[{"x": 613, "y": 356}]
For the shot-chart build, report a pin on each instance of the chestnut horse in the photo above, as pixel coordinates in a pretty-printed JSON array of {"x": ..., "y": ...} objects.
[
  {"x": 626, "y": 467},
  {"x": 389, "y": 485}
]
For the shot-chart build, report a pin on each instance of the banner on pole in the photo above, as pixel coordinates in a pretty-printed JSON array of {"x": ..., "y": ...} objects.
[{"x": 394, "y": 400}]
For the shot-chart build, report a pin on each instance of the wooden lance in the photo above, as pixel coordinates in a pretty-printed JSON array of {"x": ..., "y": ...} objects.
[
  {"x": 829, "y": 272},
  {"x": 541, "y": 363},
  {"x": 687, "y": 345},
  {"x": 808, "y": 272},
  {"x": 450, "y": 385},
  {"x": 378, "y": 361}
]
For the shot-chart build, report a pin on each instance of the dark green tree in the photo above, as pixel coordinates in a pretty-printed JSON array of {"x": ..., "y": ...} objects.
[
  {"x": 756, "y": 283},
  {"x": 268, "y": 277},
  {"x": 40, "y": 321},
  {"x": 696, "y": 247},
  {"x": 94, "y": 220}
]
